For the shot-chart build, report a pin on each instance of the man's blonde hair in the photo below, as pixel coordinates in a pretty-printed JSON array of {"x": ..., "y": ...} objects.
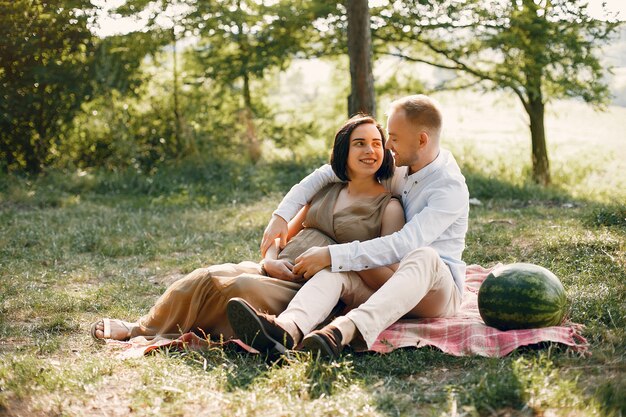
[{"x": 420, "y": 110}]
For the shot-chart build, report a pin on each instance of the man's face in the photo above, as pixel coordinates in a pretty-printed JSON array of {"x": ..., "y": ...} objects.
[{"x": 404, "y": 139}]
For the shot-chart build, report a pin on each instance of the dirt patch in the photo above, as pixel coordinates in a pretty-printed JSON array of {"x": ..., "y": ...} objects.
[
  {"x": 167, "y": 279},
  {"x": 21, "y": 408},
  {"x": 110, "y": 397},
  {"x": 11, "y": 344}
]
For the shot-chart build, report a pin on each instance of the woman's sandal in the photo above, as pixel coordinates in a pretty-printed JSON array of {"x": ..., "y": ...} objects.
[{"x": 107, "y": 330}]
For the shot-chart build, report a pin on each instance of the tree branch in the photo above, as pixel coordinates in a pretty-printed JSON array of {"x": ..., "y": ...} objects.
[
  {"x": 424, "y": 61},
  {"x": 500, "y": 79},
  {"x": 443, "y": 87}
]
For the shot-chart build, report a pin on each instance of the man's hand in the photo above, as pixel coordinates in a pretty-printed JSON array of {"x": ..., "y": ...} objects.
[
  {"x": 280, "y": 269},
  {"x": 312, "y": 261},
  {"x": 276, "y": 228}
]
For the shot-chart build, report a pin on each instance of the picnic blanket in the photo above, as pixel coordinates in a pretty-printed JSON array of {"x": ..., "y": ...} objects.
[{"x": 462, "y": 335}]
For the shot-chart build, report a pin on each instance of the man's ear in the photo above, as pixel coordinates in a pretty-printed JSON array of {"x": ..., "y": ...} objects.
[{"x": 424, "y": 139}]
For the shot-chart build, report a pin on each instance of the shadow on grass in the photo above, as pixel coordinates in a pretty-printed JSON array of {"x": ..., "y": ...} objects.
[
  {"x": 479, "y": 386},
  {"x": 243, "y": 371},
  {"x": 410, "y": 378},
  {"x": 487, "y": 188},
  {"x": 188, "y": 182},
  {"x": 223, "y": 180},
  {"x": 610, "y": 394},
  {"x": 216, "y": 183},
  {"x": 505, "y": 193}
]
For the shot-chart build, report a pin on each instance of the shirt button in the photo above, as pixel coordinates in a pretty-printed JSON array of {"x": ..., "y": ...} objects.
[
  {"x": 405, "y": 192},
  {"x": 366, "y": 266},
  {"x": 415, "y": 182},
  {"x": 341, "y": 267}
]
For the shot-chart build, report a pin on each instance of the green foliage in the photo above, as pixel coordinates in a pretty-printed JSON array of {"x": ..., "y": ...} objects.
[
  {"x": 610, "y": 394},
  {"x": 399, "y": 85},
  {"x": 117, "y": 132},
  {"x": 241, "y": 38},
  {"x": 239, "y": 44},
  {"x": 118, "y": 60},
  {"x": 46, "y": 52},
  {"x": 547, "y": 49},
  {"x": 540, "y": 51},
  {"x": 325, "y": 377},
  {"x": 132, "y": 100},
  {"x": 613, "y": 215},
  {"x": 138, "y": 129}
]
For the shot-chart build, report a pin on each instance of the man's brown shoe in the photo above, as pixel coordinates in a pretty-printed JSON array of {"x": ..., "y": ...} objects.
[
  {"x": 257, "y": 329},
  {"x": 326, "y": 342}
]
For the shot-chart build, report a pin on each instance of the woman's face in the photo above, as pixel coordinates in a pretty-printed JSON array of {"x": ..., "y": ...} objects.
[{"x": 366, "y": 151}]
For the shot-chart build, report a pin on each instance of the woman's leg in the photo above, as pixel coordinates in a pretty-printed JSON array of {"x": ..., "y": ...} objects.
[{"x": 198, "y": 302}]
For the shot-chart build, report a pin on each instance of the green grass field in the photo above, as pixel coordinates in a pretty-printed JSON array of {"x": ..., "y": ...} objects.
[{"x": 78, "y": 247}]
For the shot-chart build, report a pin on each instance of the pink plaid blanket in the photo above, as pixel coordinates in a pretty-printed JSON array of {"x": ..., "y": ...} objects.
[
  {"x": 463, "y": 335},
  {"x": 466, "y": 333}
]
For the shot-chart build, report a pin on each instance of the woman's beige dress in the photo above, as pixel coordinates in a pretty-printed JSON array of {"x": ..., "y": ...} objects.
[{"x": 197, "y": 302}]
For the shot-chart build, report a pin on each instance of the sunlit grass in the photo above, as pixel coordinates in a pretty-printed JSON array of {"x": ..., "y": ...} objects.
[{"x": 77, "y": 247}]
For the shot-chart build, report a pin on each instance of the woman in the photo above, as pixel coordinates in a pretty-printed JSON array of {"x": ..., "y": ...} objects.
[{"x": 360, "y": 209}]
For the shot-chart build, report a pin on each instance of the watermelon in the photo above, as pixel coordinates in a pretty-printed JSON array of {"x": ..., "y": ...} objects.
[{"x": 521, "y": 296}]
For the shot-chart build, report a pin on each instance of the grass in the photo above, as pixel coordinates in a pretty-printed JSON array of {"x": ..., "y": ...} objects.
[{"x": 77, "y": 247}]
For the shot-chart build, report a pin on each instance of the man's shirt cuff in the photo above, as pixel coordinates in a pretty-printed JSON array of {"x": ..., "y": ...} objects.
[{"x": 340, "y": 257}]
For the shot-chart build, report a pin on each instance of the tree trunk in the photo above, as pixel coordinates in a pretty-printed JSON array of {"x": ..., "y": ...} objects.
[
  {"x": 247, "y": 115},
  {"x": 254, "y": 147},
  {"x": 362, "y": 97},
  {"x": 541, "y": 165},
  {"x": 177, "y": 140}
]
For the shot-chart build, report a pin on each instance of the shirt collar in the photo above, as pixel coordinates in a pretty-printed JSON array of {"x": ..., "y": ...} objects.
[{"x": 434, "y": 166}]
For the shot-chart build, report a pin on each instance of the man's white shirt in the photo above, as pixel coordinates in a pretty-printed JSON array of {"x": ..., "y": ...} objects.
[{"x": 436, "y": 206}]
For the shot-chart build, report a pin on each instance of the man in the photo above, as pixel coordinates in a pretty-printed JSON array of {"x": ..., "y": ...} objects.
[{"x": 429, "y": 279}]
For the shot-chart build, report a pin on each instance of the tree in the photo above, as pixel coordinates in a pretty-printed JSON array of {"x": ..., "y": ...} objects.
[
  {"x": 167, "y": 24},
  {"x": 46, "y": 51},
  {"x": 111, "y": 129},
  {"x": 240, "y": 41},
  {"x": 362, "y": 97},
  {"x": 539, "y": 49},
  {"x": 243, "y": 40}
]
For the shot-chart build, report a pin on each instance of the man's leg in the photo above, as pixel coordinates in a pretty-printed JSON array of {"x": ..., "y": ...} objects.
[
  {"x": 311, "y": 305},
  {"x": 421, "y": 287},
  {"x": 317, "y": 297}
]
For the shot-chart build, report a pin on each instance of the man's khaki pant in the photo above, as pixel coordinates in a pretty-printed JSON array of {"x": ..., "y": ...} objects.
[{"x": 421, "y": 287}]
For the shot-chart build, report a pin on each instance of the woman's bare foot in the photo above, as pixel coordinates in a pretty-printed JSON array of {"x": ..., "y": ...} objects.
[{"x": 112, "y": 329}]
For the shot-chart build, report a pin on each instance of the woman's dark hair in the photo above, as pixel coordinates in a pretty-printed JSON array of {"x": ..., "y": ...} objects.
[{"x": 339, "y": 157}]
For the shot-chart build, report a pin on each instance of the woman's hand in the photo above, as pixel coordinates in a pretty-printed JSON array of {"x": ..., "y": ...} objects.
[
  {"x": 276, "y": 228},
  {"x": 280, "y": 269}
]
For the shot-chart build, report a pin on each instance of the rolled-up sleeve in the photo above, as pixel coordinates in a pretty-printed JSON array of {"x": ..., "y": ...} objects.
[{"x": 301, "y": 193}]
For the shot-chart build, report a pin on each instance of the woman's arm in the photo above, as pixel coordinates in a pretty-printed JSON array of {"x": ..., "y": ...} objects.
[
  {"x": 282, "y": 269},
  {"x": 393, "y": 220},
  {"x": 296, "y": 224},
  {"x": 299, "y": 195}
]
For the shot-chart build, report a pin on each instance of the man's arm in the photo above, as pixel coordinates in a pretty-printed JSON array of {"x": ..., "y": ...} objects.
[
  {"x": 421, "y": 230},
  {"x": 299, "y": 195},
  {"x": 442, "y": 210},
  {"x": 393, "y": 220}
]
